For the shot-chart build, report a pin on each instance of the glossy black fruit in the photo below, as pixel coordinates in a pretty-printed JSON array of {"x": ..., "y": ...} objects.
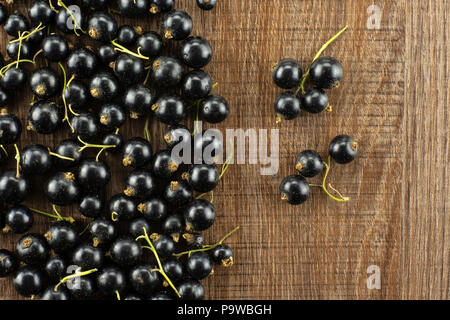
[
  {"x": 164, "y": 166},
  {"x": 203, "y": 177},
  {"x": 128, "y": 69},
  {"x": 288, "y": 106},
  {"x": 113, "y": 139},
  {"x": 87, "y": 257},
  {"x": 167, "y": 72},
  {"x": 177, "y": 193},
  {"x": 133, "y": 8},
  {"x": 112, "y": 116},
  {"x": 164, "y": 245},
  {"x": 32, "y": 249},
  {"x": 214, "y": 109},
  {"x": 45, "y": 83},
  {"x": 208, "y": 146},
  {"x": 39, "y": 11},
  {"x": 82, "y": 63},
  {"x": 81, "y": 287},
  {"x": 176, "y": 134},
  {"x": 126, "y": 35},
  {"x": 85, "y": 126},
  {"x": 102, "y": 232},
  {"x": 177, "y": 25},
  {"x": 55, "y": 48},
  {"x": 137, "y": 152},
  {"x": 12, "y": 50},
  {"x": 111, "y": 280},
  {"x": 315, "y": 100},
  {"x": 222, "y": 254},
  {"x": 170, "y": 109},
  {"x": 295, "y": 189},
  {"x": 70, "y": 149},
  {"x": 199, "y": 215},
  {"x": 90, "y": 206},
  {"x": 13, "y": 79},
  {"x": 309, "y": 163},
  {"x": 287, "y": 74},
  {"x": 154, "y": 209},
  {"x": 29, "y": 281},
  {"x": 157, "y": 6},
  {"x": 196, "y": 84},
  {"x": 93, "y": 175},
  {"x": 326, "y": 72},
  {"x": 45, "y": 117},
  {"x": 107, "y": 53},
  {"x": 196, "y": 52},
  {"x": 173, "y": 226},
  {"x": 8, "y": 263},
  {"x": 138, "y": 100},
  {"x": 121, "y": 208},
  {"x": 62, "y": 236},
  {"x": 143, "y": 280},
  {"x": 13, "y": 189},
  {"x": 199, "y": 265},
  {"x": 18, "y": 219},
  {"x": 55, "y": 268},
  {"x": 126, "y": 252},
  {"x": 343, "y": 149},
  {"x": 150, "y": 44},
  {"x": 35, "y": 159},
  {"x": 16, "y": 23},
  {"x": 206, "y": 4},
  {"x": 62, "y": 189},
  {"x": 102, "y": 26},
  {"x": 174, "y": 269},
  {"x": 10, "y": 128},
  {"x": 104, "y": 86},
  {"x": 60, "y": 294},
  {"x": 76, "y": 95},
  {"x": 137, "y": 226},
  {"x": 68, "y": 23},
  {"x": 191, "y": 289},
  {"x": 140, "y": 184}
]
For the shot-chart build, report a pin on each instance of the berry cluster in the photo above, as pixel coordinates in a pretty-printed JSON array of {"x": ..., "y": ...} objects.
[{"x": 131, "y": 74}]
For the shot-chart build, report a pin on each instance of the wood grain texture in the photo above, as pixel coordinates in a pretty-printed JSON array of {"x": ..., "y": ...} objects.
[{"x": 394, "y": 99}]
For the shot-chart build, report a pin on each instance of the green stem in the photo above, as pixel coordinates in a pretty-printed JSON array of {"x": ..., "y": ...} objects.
[
  {"x": 77, "y": 274},
  {"x": 121, "y": 48},
  {"x": 69, "y": 219},
  {"x": 324, "y": 187}
]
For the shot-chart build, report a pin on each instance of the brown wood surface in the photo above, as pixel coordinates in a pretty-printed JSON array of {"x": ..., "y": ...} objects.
[{"x": 394, "y": 99}]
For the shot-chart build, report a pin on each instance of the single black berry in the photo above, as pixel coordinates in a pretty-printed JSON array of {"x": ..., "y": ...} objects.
[
  {"x": 196, "y": 84},
  {"x": 144, "y": 279},
  {"x": 164, "y": 166},
  {"x": 309, "y": 163},
  {"x": 62, "y": 236},
  {"x": 85, "y": 126},
  {"x": 295, "y": 189},
  {"x": 62, "y": 189},
  {"x": 102, "y": 232},
  {"x": 90, "y": 206},
  {"x": 315, "y": 100},
  {"x": 288, "y": 106},
  {"x": 45, "y": 117},
  {"x": 177, "y": 25},
  {"x": 206, "y": 4},
  {"x": 111, "y": 281},
  {"x": 343, "y": 149},
  {"x": 8, "y": 263},
  {"x": 18, "y": 219},
  {"x": 191, "y": 289},
  {"x": 13, "y": 188},
  {"x": 138, "y": 100},
  {"x": 102, "y": 26},
  {"x": 170, "y": 109},
  {"x": 29, "y": 281},
  {"x": 214, "y": 109},
  {"x": 81, "y": 63},
  {"x": 167, "y": 72},
  {"x": 199, "y": 215},
  {"x": 104, "y": 86},
  {"x": 87, "y": 257},
  {"x": 35, "y": 159},
  {"x": 196, "y": 52},
  {"x": 32, "y": 249},
  {"x": 203, "y": 177},
  {"x": 10, "y": 128},
  {"x": 199, "y": 265},
  {"x": 150, "y": 44},
  {"x": 154, "y": 210},
  {"x": 222, "y": 254},
  {"x": 326, "y": 72},
  {"x": 55, "y": 48},
  {"x": 121, "y": 207},
  {"x": 287, "y": 74},
  {"x": 177, "y": 193},
  {"x": 126, "y": 252},
  {"x": 137, "y": 152},
  {"x": 140, "y": 184},
  {"x": 93, "y": 175}
]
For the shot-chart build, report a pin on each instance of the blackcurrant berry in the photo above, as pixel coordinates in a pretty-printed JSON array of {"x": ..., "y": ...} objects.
[
  {"x": 104, "y": 86},
  {"x": 93, "y": 175},
  {"x": 208, "y": 146},
  {"x": 113, "y": 139},
  {"x": 82, "y": 63},
  {"x": 138, "y": 100},
  {"x": 315, "y": 100},
  {"x": 196, "y": 52},
  {"x": 13, "y": 189},
  {"x": 137, "y": 152},
  {"x": 44, "y": 83},
  {"x": 154, "y": 210},
  {"x": 167, "y": 72},
  {"x": 55, "y": 48},
  {"x": 35, "y": 159},
  {"x": 102, "y": 26},
  {"x": 199, "y": 265},
  {"x": 164, "y": 245},
  {"x": 129, "y": 70},
  {"x": 164, "y": 166},
  {"x": 45, "y": 117},
  {"x": 107, "y": 53},
  {"x": 10, "y": 128},
  {"x": 62, "y": 189},
  {"x": 60, "y": 294},
  {"x": 102, "y": 232},
  {"x": 32, "y": 249},
  {"x": 194, "y": 241},
  {"x": 112, "y": 116},
  {"x": 126, "y": 252},
  {"x": 13, "y": 79},
  {"x": 157, "y": 6},
  {"x": 309, "y": 163},
  {"x": 199, "y": 215},
  {"x": 144, "y": 280},
  {"x": 121, "y": 208},
  {"x": 177, "y": 25},
  {"x": 18, "y": 219},
  {"x": 16, "y": 23},
  {"x": 214, "y": 109},
  {"x": 82, "y": 287},
  {"x": 206, "y": 4},
  {"x": 343, "y": 149},
  {"x": 87, "y": 257},
  {"x": 174, "y": 269},
  {"x": 287, "y": 74},
  {"x": 137, "y": 226},
  {"x": 176, "y": 134},
  {"x": 8, "y": 264},
  {"x": 196, "y": 84},
  {"x": 295, "y": 189},
  {"x": 84, "y": 126},
  {"x": 326, "y": 72},
  {"x": 177, "y": 193},
  {"x": 111, "y": 281},
  {"x": 29, "y": 281},
  {"x": 170, "y": 109},
  {"x": 19, "y": 50},
  {"x": 76, "y": 95},
  {"x": 70, "y": 149},
  {"x": 222, "y": 254},
  {"x": 288, "y": 106},
  {"x": 62, "y": 236},
  {"x": 150, "y": 44},
  {"x": 172, "y": 226},
  {"x": 70, "y": 24},
  {"x": 3, "y": 14},
  {"x": 133, "y": 8},
  {"x": 140, "y": 184},
  {"x": 39, "y": 11},
  {"x": 55, "y": 268},
  {"x": 203, "y": 177},
  {"x": 90, "y": 206},
  {"x": 126, "y": 35},
  {"x": 191, "y": 289}
]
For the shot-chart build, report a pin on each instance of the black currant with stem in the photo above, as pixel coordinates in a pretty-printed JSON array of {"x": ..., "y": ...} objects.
[
  {"x": 45, "y": 117},
  {"x": 102, "y": 232},
  {"x": 56, "y": 268},
  {"x": 82, "y": 63},
  {"x": 77, "y": 274},
  {"x": 14, "y": 187},
  {"x": 102, "y": 27},
  {"x": 93, "y": 175},
  {"x": 60, "y": 294},
  {"x": 87, "y": 145},
  {"x": 87, "y": 256},
  {"x": 29, "y": 281},
  {"x": 18, "y": 219},
  {"x": 16, "y": 23},
  {"x": 68, "y": 153},
  {"x": 111, "y": 281},
  {"x": 160, "y": 267},
  {"x": 144, "y": 279},
  {"x": 36, "y": 159},
  {"x": 121, "y": 208},
  {"x": 149, "y": 44}
]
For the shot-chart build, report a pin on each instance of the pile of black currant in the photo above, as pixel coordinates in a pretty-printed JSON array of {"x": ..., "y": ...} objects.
[
  {"x": 324, "y": 73},
  {"x": 128, "y": 73}
]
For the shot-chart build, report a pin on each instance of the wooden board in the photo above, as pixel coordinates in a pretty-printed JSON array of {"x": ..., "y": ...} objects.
[{"x": 393, "y": 99}]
